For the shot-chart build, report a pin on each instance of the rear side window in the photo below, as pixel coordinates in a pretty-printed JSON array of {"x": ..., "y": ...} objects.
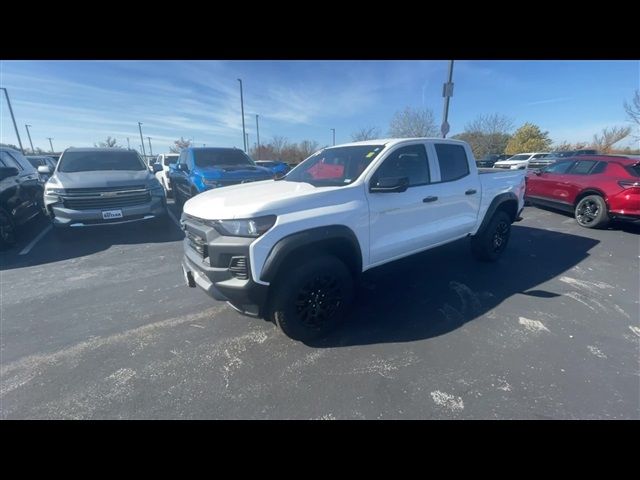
[
  {"x": 599, "y": 168},
  {"x": 582, "y": 167},
  {"x": 559, "y": 167},
  {"x": 453, "y": 161}
]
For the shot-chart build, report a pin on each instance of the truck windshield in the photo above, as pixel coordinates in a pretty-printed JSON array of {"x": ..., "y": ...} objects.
[
  {"x": 218, "y": 157},
  {"x": 170, "y": 159},
  {"x": 334, "y": 167},
  {"x": 91, "y": 161}
]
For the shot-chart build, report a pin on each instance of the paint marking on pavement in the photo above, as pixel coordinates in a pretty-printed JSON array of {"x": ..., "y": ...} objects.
[
  {"x": 175, "y": 220},
  {"x": 28, "y": 248}
]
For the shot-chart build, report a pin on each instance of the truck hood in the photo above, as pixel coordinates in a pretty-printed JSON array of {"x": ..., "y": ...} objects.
[
  {"x": 101, "y": 178},
  {"x": 260, "y": 198},
  {"x": 235, "y": 173}
]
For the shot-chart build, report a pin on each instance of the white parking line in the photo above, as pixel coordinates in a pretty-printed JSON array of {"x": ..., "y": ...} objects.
[
  {"x": 175, "y": 220},
  {"x": 28, "y": 248}
]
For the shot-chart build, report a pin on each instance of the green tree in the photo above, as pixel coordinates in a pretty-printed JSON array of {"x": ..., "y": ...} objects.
[
  {"x": 528, "y": 138},
  {"x": 413, "y": 122}
]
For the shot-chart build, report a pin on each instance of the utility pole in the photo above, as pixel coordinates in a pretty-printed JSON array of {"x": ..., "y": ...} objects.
[
  {"x": 144, "y": 154},
  {"x": 30, "y": 142},
  {"x": 447, "y": 93},
  {"x": 15, "y": 125},
  {"x": 244, "y": 135},
  {"x": 150, "y": 149},
  {"x": 128, "y": 144},
  {"x": 50, "y": 144},
  {"x": 246, "y": 143},
  {"x": 334, "y": 135},
  {"x": 258, "y": 134}
]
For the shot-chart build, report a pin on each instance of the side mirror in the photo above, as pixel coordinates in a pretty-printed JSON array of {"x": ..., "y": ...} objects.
[
  {"x": 156, "y": 167},
  {"x": 279, "y": 176},
  {"x": 6, "y": 172},
  {"x": 390, "y": 185},
  {"x": 45, "y": 169}
]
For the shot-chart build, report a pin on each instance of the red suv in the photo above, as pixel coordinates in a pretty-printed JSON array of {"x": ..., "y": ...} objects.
[{"x": 595, "y": 188}]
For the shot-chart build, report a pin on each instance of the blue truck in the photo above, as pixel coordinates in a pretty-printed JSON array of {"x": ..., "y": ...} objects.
[{"x": 201, "y": 169}]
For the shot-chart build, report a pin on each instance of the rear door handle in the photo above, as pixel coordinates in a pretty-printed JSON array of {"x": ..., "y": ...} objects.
[
  {"x": 471, "y": 191},
  {"x": 429, "y": 199}
]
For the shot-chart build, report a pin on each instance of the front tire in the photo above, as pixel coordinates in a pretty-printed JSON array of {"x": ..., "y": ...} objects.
[
  {"x": 591, "y": 212},
  {"x": 7, "y": 230},
  {"x": 489, "y": 245},
  {"x": 313, "y": 298}
]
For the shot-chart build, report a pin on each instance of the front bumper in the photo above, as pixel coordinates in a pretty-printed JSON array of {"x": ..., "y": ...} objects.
[
  {"x": 66, "y": 217},
  {"x": 220, "y": 266}
]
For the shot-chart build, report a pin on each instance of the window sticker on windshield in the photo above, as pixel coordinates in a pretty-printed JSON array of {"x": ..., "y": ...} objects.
[
  {"x": 347, "y": 180},
  {"x": 371, "y": 154}
]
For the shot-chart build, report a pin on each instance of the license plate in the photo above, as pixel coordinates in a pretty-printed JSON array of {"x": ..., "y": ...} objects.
[{"x": 109, "y": 214}]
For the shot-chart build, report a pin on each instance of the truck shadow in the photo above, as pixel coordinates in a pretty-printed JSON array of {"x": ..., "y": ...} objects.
[{"x": 435, "y": 292}]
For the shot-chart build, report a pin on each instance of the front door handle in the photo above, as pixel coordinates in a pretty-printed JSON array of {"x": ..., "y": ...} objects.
[
  {"x": 471, "y": 191},
  {"x": 429, "y": 199}
]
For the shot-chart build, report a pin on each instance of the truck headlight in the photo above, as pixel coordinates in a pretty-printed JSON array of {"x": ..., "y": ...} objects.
[
  {"x": 53, "y": 191},
  {"x": 251, "y": 227}
]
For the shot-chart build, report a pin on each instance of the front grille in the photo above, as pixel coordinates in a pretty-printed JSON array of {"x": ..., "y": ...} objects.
[
  {"x": 198, "y": 244},
  {"x": 97, "y": 201},
  {"x": 538, "y": 165},
  {"x": 506, "y": 167},
  {"x": 238, "y": 268},
  {"x": 93, "y": 191}
]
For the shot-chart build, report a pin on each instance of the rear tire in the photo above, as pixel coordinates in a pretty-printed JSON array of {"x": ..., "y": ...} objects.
[
  {"x": 7, "y": 230},
  {"x": 489, "y": 245},
  {"x": 591, "y": 212},
  {"x": 313, "y": 298}
]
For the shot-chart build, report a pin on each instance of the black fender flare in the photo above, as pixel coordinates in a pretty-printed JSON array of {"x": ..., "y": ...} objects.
[
  {"x": 313, "y": 237},
  {"x": 496, "y": 203}
]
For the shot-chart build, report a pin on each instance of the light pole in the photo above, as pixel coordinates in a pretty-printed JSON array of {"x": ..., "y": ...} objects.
[
  {"x": 246, "y": 142},
  {"x": 258, "y": 134},
  {"x": 244, "y": 137},
  {"x": 50, "y": 144},
  {"x": 29, "y": 135},
  {"x": 144, "y": 154},
  {"x": 447, "y": 92},
  {"x": 334, "y": 135},
  {"x": 150, "y": 149},
  {"x": 15, "y": 125},
  {"x": 128, "y": 144}
]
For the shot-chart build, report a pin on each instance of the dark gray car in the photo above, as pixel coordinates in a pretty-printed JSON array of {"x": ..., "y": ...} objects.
[{"x": 97, "y": 186}]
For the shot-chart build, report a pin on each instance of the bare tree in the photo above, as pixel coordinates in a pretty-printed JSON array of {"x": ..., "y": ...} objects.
[
  {"x": 180, "y": 145},
  {"x": 307, "y": 147},
  {"x": 108, "y": 143},
  {"x": 609, "y": 137},
  {"x": 279, "y": 143},
  {"x": 562, "y": 146},
  {"x": 633, "y": 111},
  {"x": 413, "y": 122},
  {"x": 488, "y": 134},
  {"x": 365, "y": 133}
]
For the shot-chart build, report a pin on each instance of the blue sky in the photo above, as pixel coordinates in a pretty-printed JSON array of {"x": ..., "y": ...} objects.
[{"x": 81, "y": 102}]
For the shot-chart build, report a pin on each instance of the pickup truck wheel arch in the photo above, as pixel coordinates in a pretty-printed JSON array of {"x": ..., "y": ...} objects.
[
  {"x": 507, "y": 202},
  {"x": 337, "y": 240}
]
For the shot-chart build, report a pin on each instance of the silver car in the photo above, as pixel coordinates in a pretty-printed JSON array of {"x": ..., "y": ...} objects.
[{"x": 97, "y": 186}]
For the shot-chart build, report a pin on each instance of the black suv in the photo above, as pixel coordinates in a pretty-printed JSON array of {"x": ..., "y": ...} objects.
[{"x": 21, "y": 194}]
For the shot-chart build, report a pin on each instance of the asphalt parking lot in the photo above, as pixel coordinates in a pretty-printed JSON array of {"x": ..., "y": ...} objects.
[{"x": 102, "y": 326}]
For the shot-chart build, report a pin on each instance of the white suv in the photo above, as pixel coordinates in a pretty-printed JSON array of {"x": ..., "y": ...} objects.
[
  {"x": 519, "y": 161},
  {"x": 165, "y": 159}
]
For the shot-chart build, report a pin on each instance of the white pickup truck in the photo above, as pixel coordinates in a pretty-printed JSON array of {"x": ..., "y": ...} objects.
[{"x": 292, "y": 249}]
